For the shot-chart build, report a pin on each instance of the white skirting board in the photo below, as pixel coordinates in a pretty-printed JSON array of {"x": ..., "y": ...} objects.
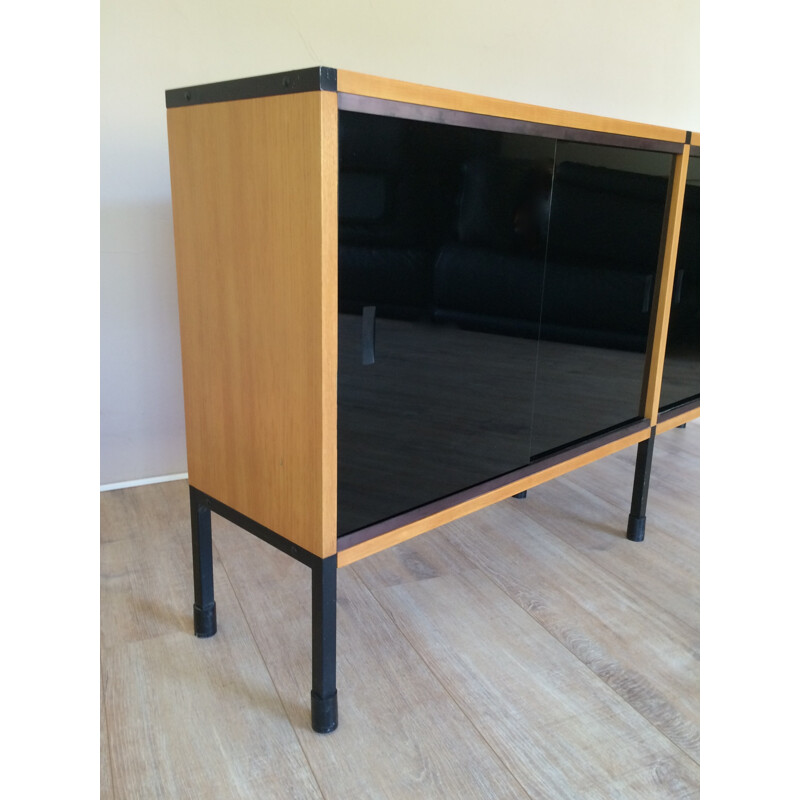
[{"x": 107, "y": 487}]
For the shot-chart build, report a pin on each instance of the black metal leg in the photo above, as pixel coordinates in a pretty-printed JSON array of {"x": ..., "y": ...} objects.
[
  {"x": 522, "y": 495},
  {"x": 641, "y": 483},
  {"x": 205, "y": 609},
  {"x": 324, "y": 710}
]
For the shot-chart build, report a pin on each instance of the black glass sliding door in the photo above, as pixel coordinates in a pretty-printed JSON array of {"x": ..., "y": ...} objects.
[
  {"x": 603, "y": 246},
  {"x": 441, "y": 262},
  {"x": 495, "y": 294}
]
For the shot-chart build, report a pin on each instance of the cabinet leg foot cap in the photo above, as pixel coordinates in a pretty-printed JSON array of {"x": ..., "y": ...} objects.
[
  {"x": 324, "y": 713},
  {"x": 636, "y": 528},
  {"x": 205, "y": 621}
]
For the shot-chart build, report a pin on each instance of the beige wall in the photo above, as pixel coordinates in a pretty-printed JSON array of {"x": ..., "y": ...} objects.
[{"x": 621, "y": 58}]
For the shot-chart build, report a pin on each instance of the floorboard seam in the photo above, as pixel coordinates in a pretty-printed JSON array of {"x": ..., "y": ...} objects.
[
  {"x": 267, "y": 669},
  {"x": 500, "y": 760},
  {"x": 619, "y": 575},
  {"x": 104, "y": 712},
  {"x": 576, "y": 658}
]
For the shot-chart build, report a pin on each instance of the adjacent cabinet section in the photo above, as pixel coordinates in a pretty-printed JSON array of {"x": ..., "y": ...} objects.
[
  {"x": 399, "y": 304},
  {"x": 681, "y": 381}
]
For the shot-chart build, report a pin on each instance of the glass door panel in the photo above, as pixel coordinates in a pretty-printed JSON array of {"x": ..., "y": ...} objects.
[
  {"x": 442, "y": 233},
  {"x": 602, "y": 257}
]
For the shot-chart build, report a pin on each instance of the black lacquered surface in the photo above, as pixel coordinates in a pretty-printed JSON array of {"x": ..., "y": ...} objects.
[
  {"x": 495, "y": 291},
  {"x": 604, "y": 235},
  {"x": 681, "y": 378},
  {"x": 442, "y": 233}
]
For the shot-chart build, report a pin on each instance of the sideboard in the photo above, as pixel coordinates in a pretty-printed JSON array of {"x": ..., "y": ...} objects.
[{"x": 400, "y": 304}]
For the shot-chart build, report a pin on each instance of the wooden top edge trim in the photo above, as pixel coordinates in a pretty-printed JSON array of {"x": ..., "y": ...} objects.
[
  {"x": 390, "y": 89},
  {"x": 694, "y": 139}
]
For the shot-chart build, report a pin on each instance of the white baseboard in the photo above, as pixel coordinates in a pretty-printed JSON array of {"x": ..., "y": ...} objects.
[{"x": 107, "y": 487}]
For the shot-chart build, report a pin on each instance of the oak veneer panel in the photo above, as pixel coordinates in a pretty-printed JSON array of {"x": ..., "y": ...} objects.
[
  {"x": 402, "y": 91},
  {"x": 402, "y": 735},
  {"x": 254, "y": 187},
  {"x": 560, "y": 729},
  {"x": 665, "y": 279}
]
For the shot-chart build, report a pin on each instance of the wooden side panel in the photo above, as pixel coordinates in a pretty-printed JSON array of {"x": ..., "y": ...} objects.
[
  {"x": 368, "y": 548},
  {"x": 657, "y": 345},
  {"x": 402, "y": 91},
  {"x": 254, "y": 202}
]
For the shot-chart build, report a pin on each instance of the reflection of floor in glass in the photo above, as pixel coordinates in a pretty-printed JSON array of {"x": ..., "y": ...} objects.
[
  {"x": 439, "y": 410},
  {"x": 581, "y": 390},
  {"x": 442, "y": 409}
]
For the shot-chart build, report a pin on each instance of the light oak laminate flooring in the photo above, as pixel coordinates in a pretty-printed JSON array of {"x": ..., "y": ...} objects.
[{"x": 528, "y": 650}]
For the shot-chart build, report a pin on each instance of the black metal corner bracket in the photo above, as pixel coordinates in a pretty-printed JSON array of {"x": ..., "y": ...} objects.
[
  {"x": 324, "y": 709},
  {"x": 311, "y": 79}
]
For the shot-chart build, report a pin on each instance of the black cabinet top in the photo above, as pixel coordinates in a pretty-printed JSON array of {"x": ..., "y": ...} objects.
[{"x": 311, "y": 79}]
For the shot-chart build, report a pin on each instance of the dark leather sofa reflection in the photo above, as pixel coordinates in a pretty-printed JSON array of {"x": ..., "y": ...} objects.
[{"x": 484, "y": 249}]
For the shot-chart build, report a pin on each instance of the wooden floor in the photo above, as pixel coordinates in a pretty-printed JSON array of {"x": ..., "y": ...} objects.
[{"x": 528, "y": 650}]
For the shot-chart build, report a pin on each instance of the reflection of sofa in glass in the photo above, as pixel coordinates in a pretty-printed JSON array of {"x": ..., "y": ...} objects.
[
  {"x": 395, "y": 209},
  {"x": 602, "y": 252},
  {"x": 489, "y": 275},
  {"x": 468, "y": 247}
]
